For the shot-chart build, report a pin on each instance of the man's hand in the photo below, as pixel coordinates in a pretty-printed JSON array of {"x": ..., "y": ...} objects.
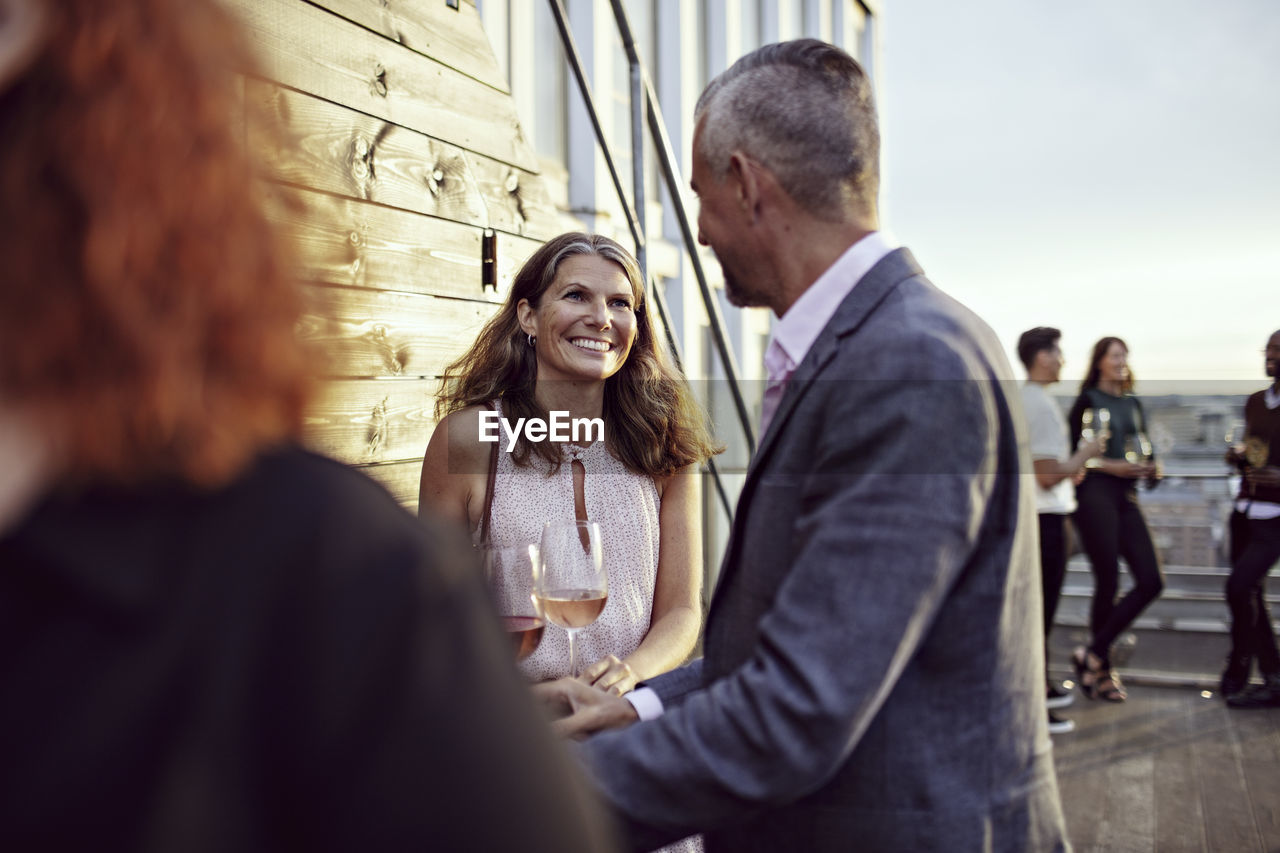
[
  {"x": 582, "y": 710},
  {"x": 611, "y": 675}
]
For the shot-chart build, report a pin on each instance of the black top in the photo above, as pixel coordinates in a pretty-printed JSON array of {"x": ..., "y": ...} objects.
[
  {"x": 1262, "y": 444},
  {"x": 290, "y": 663}
]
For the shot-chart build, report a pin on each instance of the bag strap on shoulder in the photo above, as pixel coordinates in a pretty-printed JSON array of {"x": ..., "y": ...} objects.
[{"x": 488, "y": 489}]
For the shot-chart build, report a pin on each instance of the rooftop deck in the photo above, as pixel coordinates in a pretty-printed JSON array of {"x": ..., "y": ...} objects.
[{"x": 1170, "y": 770}]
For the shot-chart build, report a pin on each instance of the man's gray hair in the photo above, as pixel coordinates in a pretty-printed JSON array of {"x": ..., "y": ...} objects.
[{"x": 805, "y": 110}]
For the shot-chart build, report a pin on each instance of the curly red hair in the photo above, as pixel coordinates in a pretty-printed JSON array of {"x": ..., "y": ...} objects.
[{"x": 148, "y": 310}]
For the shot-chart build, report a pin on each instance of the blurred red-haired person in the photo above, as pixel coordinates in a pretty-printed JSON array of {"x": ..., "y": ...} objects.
[{"x": 209, "y": 638}]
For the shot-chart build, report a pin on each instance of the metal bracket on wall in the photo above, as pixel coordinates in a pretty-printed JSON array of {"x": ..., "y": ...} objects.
[{"x": 489, "y": 260}]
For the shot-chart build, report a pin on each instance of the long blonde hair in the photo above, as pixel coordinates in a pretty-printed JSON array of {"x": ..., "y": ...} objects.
[{"x": 652, "y": 423}]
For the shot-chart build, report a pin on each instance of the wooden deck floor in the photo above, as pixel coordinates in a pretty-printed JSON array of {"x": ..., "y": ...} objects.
[{"x": 1170, "y": 770}]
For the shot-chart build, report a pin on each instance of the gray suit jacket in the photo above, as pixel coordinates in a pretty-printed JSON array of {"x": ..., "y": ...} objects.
[{"x": 873, "y": 674}]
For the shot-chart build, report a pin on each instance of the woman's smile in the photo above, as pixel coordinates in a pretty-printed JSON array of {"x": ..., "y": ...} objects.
[{"x": 585, "y": 324}]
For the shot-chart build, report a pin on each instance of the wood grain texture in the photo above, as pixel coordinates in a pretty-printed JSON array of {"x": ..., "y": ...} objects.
[
  {"x": 1128, "y": 819},
  {"x": 401, "y": 479},
  {"x": 313, "y": 50},
  {"x": 1175, "y": 794},
  {"x": 1082, "y": 776},
  {"x": 454, "y": 37},
  {"x": 360, "y": 421},
  {"x": 1213, "y": 783},
  {"x": 372, "y": 333},
  {"x": 329, "y": 147},
  {"x": 1224, "y": 794},
  {"x": 517, "y": 201},
  {"x": 353, "y": 243},
  {"x": 1259, "y": 737}
]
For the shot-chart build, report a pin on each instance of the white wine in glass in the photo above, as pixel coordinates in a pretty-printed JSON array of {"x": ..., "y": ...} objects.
[
  {"x": 1104, "y": 425},
  {"x": 573, "y": 586}
]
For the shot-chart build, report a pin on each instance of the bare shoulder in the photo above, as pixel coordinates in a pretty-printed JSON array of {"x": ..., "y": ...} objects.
[
  {"x": 455, "y": 467},
  {"x": 462, "y": 431},
  {"x": 679, "y": 482}
]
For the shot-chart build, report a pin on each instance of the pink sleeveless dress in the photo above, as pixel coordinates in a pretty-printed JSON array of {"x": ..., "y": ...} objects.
[{"x": 626, "y": 506}]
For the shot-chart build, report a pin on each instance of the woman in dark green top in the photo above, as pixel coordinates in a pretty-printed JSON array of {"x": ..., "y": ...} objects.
[{"x": 1108, "y": 518}]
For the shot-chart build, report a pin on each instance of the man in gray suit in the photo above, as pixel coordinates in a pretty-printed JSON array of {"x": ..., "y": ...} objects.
[{"x": 872, "y": 676}]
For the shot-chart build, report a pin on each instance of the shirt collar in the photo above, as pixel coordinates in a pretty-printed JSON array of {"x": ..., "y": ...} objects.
[
  {"x": 794, "y": 333},
  {"x": 1271, "y": 397}
]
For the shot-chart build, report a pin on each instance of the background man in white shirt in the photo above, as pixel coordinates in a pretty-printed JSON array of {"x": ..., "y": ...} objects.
[{"x": 1057, "y": 470}]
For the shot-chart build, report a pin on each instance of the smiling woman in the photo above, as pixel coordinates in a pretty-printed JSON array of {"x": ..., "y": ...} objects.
[
  {"x": 574, "y": 341},
  {"x": 585, "y": 320}
]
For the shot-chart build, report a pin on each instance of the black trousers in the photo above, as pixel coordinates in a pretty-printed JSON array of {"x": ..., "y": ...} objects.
[
  {"x": 1255, "y": 547},
  {"x": 1054, "y": 538},
  {"x": 1111, "y": 526}
]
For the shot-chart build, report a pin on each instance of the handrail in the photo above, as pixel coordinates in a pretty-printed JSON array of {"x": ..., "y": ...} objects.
[
  {"x": 661, "y": 302},
  {"x": 644, "y": 102},
  {"x": 584, "y": 87},
  {"x": 635, "y": 217},
  {"x": 666, "y": 161}
]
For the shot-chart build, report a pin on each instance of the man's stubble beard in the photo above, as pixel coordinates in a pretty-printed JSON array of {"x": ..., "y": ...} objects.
[{"x": 739, "y": 296}]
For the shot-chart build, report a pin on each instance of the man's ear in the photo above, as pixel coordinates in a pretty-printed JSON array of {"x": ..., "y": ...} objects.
[
  {"x": 746, "y": 181},
  {"x": 22, "y": 29}
]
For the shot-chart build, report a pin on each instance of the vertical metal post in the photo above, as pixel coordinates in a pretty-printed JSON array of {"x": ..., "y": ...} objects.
[
  {"x": 637, "y": 127},
  {"x": 580, "y": 75},
  {"x": 637, "y": 164},
  {"x": 666, "y": 161}
]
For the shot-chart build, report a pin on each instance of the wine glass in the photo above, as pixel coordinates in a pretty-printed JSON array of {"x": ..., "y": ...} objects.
[
  {"x": 511, "y": 572},
  {"x": 573, "y": 585},
  {"x": 1144, "y": 446},
  {"x": 1087, "y": 434},
  {"x": 1235, "y": 444},
  {"x": 1104, "y": 425}
]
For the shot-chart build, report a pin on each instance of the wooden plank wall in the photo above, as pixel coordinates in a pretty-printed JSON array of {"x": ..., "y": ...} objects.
[{"x": 401, "y": 147}]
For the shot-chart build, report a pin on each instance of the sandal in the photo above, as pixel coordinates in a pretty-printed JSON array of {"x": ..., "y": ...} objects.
[
  {"x": 1086, "y": 676},
  {"x": 1109, "y": 688}
]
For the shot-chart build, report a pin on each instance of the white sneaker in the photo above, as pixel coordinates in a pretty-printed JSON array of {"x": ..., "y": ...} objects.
[
  {"x": 1060, "y": 725},
  {"x": 1056, "y": 697}
]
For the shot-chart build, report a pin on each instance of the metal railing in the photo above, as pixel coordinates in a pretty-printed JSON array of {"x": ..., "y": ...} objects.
[{"x": 645, "y": 111}]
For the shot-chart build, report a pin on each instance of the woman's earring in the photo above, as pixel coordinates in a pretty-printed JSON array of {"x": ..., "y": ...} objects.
[{"x": 532, "y": 340}]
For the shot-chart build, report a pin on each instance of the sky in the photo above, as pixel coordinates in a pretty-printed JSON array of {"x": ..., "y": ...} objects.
[{"x": 1108, "y": 167}]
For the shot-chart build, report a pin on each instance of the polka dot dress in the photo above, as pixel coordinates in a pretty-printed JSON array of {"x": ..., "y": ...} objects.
[{"x": 626, "y": 507}]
